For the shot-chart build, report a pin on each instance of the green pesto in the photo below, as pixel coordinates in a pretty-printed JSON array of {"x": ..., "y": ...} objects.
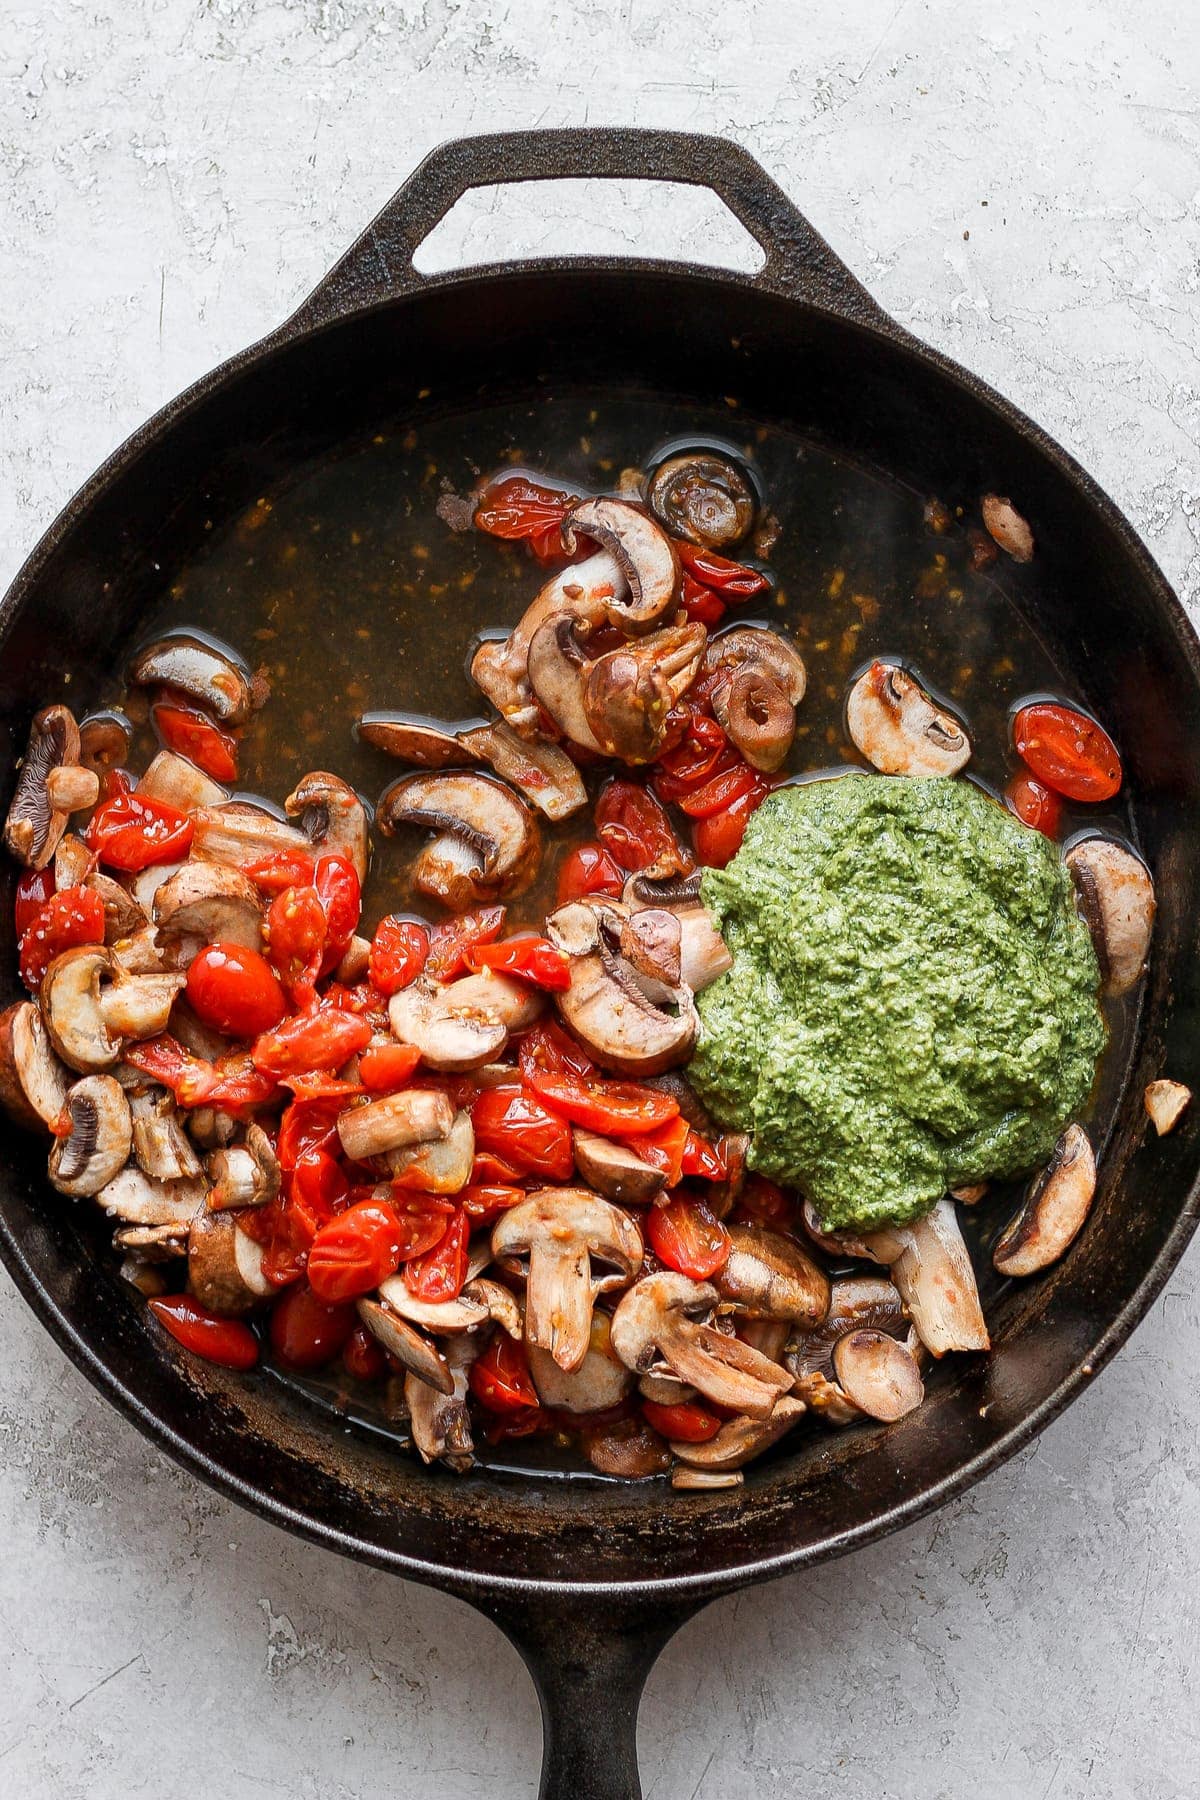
[{"x": 913, "y": 999}]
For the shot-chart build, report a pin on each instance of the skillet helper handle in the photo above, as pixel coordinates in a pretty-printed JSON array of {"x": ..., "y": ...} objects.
[
  {"x": 589, "y": 1664},
  {"x": 379, "y": 265}
]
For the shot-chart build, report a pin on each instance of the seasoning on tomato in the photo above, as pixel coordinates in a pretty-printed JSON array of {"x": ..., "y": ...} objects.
[
  {"x": 636, "y": 832},
  {"x": 532, "y": 959},
  {"x": 131, "y": 832},
  {"x": 1067, "y": 751},
  {"x": 296, "y": 933},
  {"x": 1034, "y": 804},
  {"x": 69, "y": 918},
  {"x": 227, "y": 1342},
  {"x": 34, "y": 888},
  {"x": 398, "y": 952},
  {"x": 324, "y": 1038},
  {"x": 450, "y": 941},
  {"x": 235, "y": 991},
  {"x": 687, "y": 1236},
  {"x": 191, "y": 733},
  {"x": 439, "y": 1274},
  {"x": 513, "y": 1123},
  {"x": 355, "y": 1252}
]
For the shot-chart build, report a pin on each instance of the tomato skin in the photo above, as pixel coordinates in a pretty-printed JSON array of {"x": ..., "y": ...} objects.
[
  {"x": 483, "y": 1202},
  {"x": 439, "y": 1273},
  {"x": 725, "y": 788},
  {"x": 398, "y": 953},
  {"x": 684, "y": 1423},
  {"x": 635, "y": 830},
  {"x": 319, "y": 1186},
  {"x": 306, "y": 1125},
  {"x": 383, "y": 1068},
  {"x": 704, "y": 1159},
  {"x": 339, "y": 890},
  {"x": 131, "y": 832},
  {"x": 235, "y": 990},
  {"x": 191, "y": 733},
  {"x": 363, "y": 1356},
  {"x": 355, "y": 1252},
  {"x": 296, "y": 933},
  {"x": 719, "y": 573},
  {"x": 34, "y": 888},
  {"x": 589, "y": 869},
  {"x": 513, "y": 1123},
  {"x": 663, "y": 1148},
  {"x": 1067, "y": 751},
  {"x": 227, "y": 1342},
  {"x": 1034, "y": 804},
  {"x": 686, "y": 1236},
  {"x": 324, "y": 1038},
  {"x": 285, "y": 869},
  {"x": 500, "y": 1378},
  {"x": 718, "y": 838},
  {"x": 69, "y": 918},
  {"x": 618, "y": 1108},
  {"x": 307, "y": 1332},
  {"x": 450, "y": 941},
  {"x": 546, "y": 1049},
  {"x": 516, "y": 508},
  {"x": 702, "y": 752},
  {"x": 699, "y": 603},
  {"x": 532, "y": 959}
]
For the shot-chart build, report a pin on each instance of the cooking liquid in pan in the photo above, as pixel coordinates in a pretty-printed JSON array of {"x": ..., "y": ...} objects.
[{"x": 349, "y": 593}]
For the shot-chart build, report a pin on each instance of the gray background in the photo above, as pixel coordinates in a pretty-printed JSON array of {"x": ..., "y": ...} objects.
[{"x": 174, "y": 175}]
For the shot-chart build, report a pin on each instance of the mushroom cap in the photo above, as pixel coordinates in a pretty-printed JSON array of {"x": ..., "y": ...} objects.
[
  {"x": 34, "y": 824},
  {"x": 245, "y": 1174},
  {"x": 403, "y": 1340},
  {"x": 1115, "y": 892},
  {"x": 641, "y": 550},
  {"x": 97, "y": 1147},
  {"x": 560, "y": 1230},
  {"x": 897, "y": 727},
  {"x": 333, "y": 817},
  {"x": 486, "y": 820},
  {"x": 615, "y": 1170},
  {"x": 628, "y": 693},
  {"x": 33, "y": 1083},
  {"x": 425, "y": 742},
  {"x": 878, "y": 1374},
  {"x": 557, "y": 670},
  {"x": 203, "y": 668},
  {"x": 463, "y": 1024},
  {"x": 758, "y": 648},
  {"x": 70, "y": 1002},
  {"x": 770, "y": 1276},
  {"x": 208, "y": 901},
  {"x": 621, "y": 1025},
  {"x": 1056, "y": 1204},
  {"x": 703, "y": 497},
  {"x": 587, "y": 592},
  {"x": 651, "y": 1310},
  {"x": 740, "y": 1440},
  {"x": 104, "y": 740},
  {"x": 237, "y": 832}
]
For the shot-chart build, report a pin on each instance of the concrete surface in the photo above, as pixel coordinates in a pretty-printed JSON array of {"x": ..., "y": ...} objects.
[{"x": 174, "y": 175}]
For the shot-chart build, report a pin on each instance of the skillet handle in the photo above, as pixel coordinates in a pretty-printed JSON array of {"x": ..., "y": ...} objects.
[
  {"x": 379, "y": 265},
  {"x": 589, "y": 1659}
]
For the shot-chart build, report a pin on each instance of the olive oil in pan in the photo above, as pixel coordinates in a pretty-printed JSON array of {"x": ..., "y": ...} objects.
[{"x": 349, "y": 591}]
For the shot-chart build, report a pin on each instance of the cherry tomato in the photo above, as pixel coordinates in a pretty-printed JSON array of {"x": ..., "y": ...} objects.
[
  {"x": 319, "y": 1185},
  {"x": 702, "y": 752},
  {"x": 191, "y": 733},
  {"x": 355, "y": 1252},
  {"x": 532, "y": 959},
  {"x": 483, "y": 1202},
  {"x": 718, "y": 838},
  {"x": 164, "y": 1058},
  {"x": 635, "y": 830},
  {"x": 450, "y": 941},
  {"x": 283, "y": 869},
  {"x": 546, "y": 1049},
  {"x": 296, "y": 933},
  {"x": 340, "y": 893},
  {"x": 489, "y": 1169},
  {"x": 235, "y": 991},
  {"x": 1034, "y": 804},
  {"x": 71, "y": 917},
  {"x": 385, "y": 1067},
  {"x": 663, "y": 1148},
  {"x": 700, "y": 604},
  {"x": 1067, "y": 751},
  {"x": 766, "y": 1202},
  {"x": 439, "y": 1274},
  {"x": 719, "y": 794},
  {"x": 307, "y": 1332},
  {"x": 422, "y": 1218},
  {"x": 205, "y": 1333},
  {"x": 719, "y": 573},
  {"x": 589, "y": 870},
  {"x": 363, "y": 1356},
  {"x": 513, "y": 1123},
  {"x": 686, "y": 1236},
  {"x": 132, "y": 832},
  {"x": 321, "y": 1087},
  {"x": 702, "y": 1158},
  {"x": 619, "y": 1108},
  {"x": 322, "y": 1039},
  {"x": 515, "y": 507},
  {"x": 398, "y": 952},
  {"x": 34, "y": 888},
  {"x": 500, "y": 1378},
  {"x": 685, "y": 1423}
]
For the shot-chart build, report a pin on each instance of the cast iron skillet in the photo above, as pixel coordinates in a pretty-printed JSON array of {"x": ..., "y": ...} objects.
[{"x": 589, "y": 1581}]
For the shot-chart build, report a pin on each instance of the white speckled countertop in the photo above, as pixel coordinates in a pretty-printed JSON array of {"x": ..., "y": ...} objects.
[{"x": 1020, "y": 186}]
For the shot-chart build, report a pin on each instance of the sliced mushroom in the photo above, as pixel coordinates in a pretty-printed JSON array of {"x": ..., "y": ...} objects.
[
  {"x": 931, "y": 1267},
  {"x": 50, "y": 786},
  {"x": 143, "y": 886},
  {"x": 73, "y": 862},
  {"x": 585, "y": 593},
  {"x": 413, "y": 1116},
  {"x": 204, "y": 669},
  {"x": 488, "y": 843},
  {"x": 333, "y": 817},
  {"x": 704, "y": 1481},
  {"x": 704, "y": 498},
  {"x": 33, "y": 1083},
  {"x": 1006, "y": 527},
  {"x": 703, "y": 952},
  {"x": 545, "y": 774},
  {"x": 426, "y": 743},
  {"x": 769, "y": 1276},
  {"x": 104, "y": 741},
  {"x": 641, "y": 550},
  {"x": 138, "y": 1006},
  {"x": 600, "y": 1381},
  {"x": 90, "y": 1005},
  {"x": 442, "y": 1166},
  {"x": 1055, "y": 1206},
  {"x": 501, "y": 1307},
  {"x": 878, "y": 1374},
  {"x": 658, "y": 1317},
  {"x": 214, "y": 904},
  {"x": 402, "y": 1340},
  {"x": 237, "y": 833},
  {"x": 621, "y": 1025},
  {"x": 145, "y": 1244},
  {"x": 136, "y": 1199},
  {"x": 178, "y": 782},
  {"x": 651, "y": 942},
  {"x": 443, "y": 1317},
  {"x": 97, "y": 1147},
  {"x": 356, "y": 961},
  {"x": 225, "y": 1266},
  {"x": 559, "y": 1231},
  {"x": 764, "y": 682},
  {"x": 211, "y": 1128},
  {"x": 1116, "y": 897},
  {"x": 465, "y": 1023},
  {"x": 627, "y": 693},
  {"x": 740, "y": 1440},
  {"x": 441, "y": 1424},
  {"x": 615, "y": 1170},
  {"x": 161, "y": 1147},
  {"x": 898, "y": 728},
  {"x": 558, "y": 666},
  {"x": 246, "y": 1174},
  {"x": 1165, "y": 1103},
  {"x": 856, "y": 1302},
  {"x": 627, "y": 1449}
]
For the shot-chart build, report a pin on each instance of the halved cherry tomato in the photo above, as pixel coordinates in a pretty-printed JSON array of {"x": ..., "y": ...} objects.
[
  {"x": 296, "y": 934},
  {"x": 1067, "y": 751},
  {"x": 34, "y": 888},
  {"x": 483, "y": 1202},
  {"x": 500, "y": 1378},
  {"x": 719, "y": 573},
  {"x": 685, "y": 1423},
  {"x": 439, "y": 1274},
  {"x": 546, "y": 1049},
  {"x": 635, "y": 830},
  {"x": 235, "y": 990},
  {"x": 766, "y": 1202},
  {"x": 164, "y": 1058},
  {"x": 382, "y": 1068},
  {"x": 306, "y": 1125},
  {"x": 702, "y": 753},
  {"x": 319, "y": 1184},
  {"x": 663, "y": 1148},
  {"x": 450, "y": 941},
  {"x": 322, "y": 1039},
  {"x": 307, "y": 1332},
  {"x": 398, "y": 952},
  {"x": 725, "y": 788},
  {"x": 423, "y": 1219},
  {"x": 355, "y": 1252},
  {"x": 687, "y": 1236},
  {"x": 238, "y": 1087},
  {"x": 515, "y": 507},
  {"x": 704, "y": 1159},
  {"x": 340, "y": 893},
  {"x": 191, "y": 733},
  {"x": 701, "y": 605},
  {"x": 532, "y": 959},
  {"x": 132, "y": 832},
  {"x": 69, "y": 918},
  {"x": 363, "y": 1356},
  {"x": 619, "y": 1108},
  {"x": 487, "y": 1168},
  {"x": 513, "y": 1123},
  {"x": 205, "y": 1333},
  {"x": 282, "y": 870},
  {"x": 1034, "y": 804},
  {"x": 316, "y": 1086},
  {"x": 589, "y": 869},
  {"x": 718, "y": 838}
]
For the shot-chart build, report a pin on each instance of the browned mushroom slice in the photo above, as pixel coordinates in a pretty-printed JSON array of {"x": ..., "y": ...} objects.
[
  {"x": 246, "y": 1174},
  {"x": 426, "y": 743},
  {"x": 1055, "y": 1206},
  {"x": 501, "y": 1306},
  {"x": 559, "y": 1231},
  {"x": 740, "y": 1440},
  {"x": 446, "y": 1318},
  {"x": 627, "y": 693},
  {"x": 137, "y": 1200},
  {"x": 545, "y": 774},
  {"x": 703, "y": 952},
  {"x": 898, "y": 728},
  {"x": 600, "y": 1381},
  {"x": 463, "y": 1024},
  {"x": 615, "y": 1170},
  {"x": 1006, "y": 527},
  {"x": 402, "y": 1340},
  {"x": 769, "y": 1276},
  {"x": 150, "y": 1244},
  {"x": 488, "y": 844},
  {"x": 51, "y": 785},
  {"x": 931, "y": 1267},
  {"x": 764, "y": 683},
  {"x": 624, "y": 1027},
  {"x": 104, "y": 741},
  {"x": 161, "y": 1147},
  {"x": 441, "y": 1424},
  {"x": 90, "y": 1005},
  {"x": 557, "y": 667},
  {"x": 204, "y": 669},
  {"x": 659, "y": 1317},
  {"x": 237, "y": 833},
  {"x": 333, "y": 817},
  {"x": 628, "y": 1449},
  {"x": 856, "y": 1302},
  {"x": 225, "y": 1266},
  {"x": 413, "y": 1116},
  {"x": 441, "y": 1166},
  {"x": 211, "y": 903},
  {"x": 33, "y": 1082},
  {"x": 642, "y": 551},
  {"x": 651, "y": 942},
  {"x": 586, "y": 593},
  {"x": 878, "y": 1374},
  {"x": 97, "y": 1146},
  {"x": 1165, "y": 1103},
  {"x": 180, "y": 784},
  {"x": 1116, "y": 897},
  {"x": 704, "y": 498}
]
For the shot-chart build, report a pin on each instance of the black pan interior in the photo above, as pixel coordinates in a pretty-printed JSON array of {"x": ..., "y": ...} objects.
[{"x": 582, "y": 369}]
